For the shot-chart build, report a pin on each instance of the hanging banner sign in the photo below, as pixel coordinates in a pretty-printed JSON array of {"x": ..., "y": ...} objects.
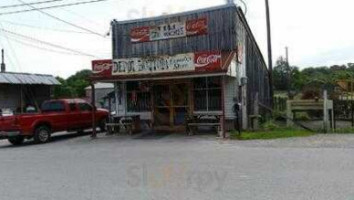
[
  {"x": 168, "y": 31},
  {"x": 189, "y": 62},
  {"x": 102, "y": 68}
]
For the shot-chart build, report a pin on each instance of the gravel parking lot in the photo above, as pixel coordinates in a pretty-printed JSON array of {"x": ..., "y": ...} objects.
[{"x": 177, "y": 167}]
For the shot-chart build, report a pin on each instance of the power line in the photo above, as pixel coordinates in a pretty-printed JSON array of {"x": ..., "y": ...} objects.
[
  {"x": 43, "y": 28},
  {"x": 13, "y": 52},
  {"x": 8, "y": 57},
  {"x": 64, "y": 21},
  {"x": 47, "y": 43},
  {"x": 42, "y": 48},
  {"x": 32, "y": 3}
]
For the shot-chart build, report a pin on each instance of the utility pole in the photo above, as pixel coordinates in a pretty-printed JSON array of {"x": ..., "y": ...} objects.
[
  {"x": 270, "y": 62},
  {"x": 289, "y": 72}
]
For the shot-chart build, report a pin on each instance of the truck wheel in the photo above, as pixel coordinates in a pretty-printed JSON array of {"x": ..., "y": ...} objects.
[
  {"x": 102, "y": 125},
  {"x": 42, "y": 134},
  {"x": 18, "y": 140}
]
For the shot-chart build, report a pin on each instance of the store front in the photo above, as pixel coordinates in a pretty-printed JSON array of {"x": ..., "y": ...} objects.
[
  {"x": 169, "y": 69},
  {"x": 170, "y": 101}
]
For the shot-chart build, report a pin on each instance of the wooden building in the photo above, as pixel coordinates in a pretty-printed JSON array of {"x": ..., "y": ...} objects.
[{"x": 169, "y": 67}]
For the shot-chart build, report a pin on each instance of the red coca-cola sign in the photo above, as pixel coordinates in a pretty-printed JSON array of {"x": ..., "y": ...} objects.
[
  {"x": 197, "y": 26},
  {"x": 140, "y": 34},
  {"x": 207, "y": 61},
  {"x": 102, "y": 67},
  {"x": 193, "y": 27}
]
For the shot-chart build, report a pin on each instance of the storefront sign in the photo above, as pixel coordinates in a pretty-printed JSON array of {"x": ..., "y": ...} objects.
[
  {"x": 168, "y": 31},
  {"x": 180, "y": 62},
  {"x": 192, "y": 62},
  {"x": 102, "y": 68}
]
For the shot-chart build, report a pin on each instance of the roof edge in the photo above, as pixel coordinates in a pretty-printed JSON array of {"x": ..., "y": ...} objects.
[{"x": 229, "y": 5}]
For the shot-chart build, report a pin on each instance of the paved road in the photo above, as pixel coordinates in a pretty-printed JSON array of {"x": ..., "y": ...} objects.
[{"x": 178, "y": 168}]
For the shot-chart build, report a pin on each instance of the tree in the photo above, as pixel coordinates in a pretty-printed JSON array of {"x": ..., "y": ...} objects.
[{"x": 74, "y": 86}]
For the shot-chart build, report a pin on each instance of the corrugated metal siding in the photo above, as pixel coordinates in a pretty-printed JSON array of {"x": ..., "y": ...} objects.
[
  {"x": 27, "y": 79},
  {"x": 221, "y": 35}
]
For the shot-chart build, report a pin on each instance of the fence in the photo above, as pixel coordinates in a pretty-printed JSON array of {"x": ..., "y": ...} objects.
[
  {"x": 279, "y": 103},
  {"x": 343, "y": 111}
]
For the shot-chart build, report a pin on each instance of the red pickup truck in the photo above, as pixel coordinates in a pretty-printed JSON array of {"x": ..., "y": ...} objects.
[{"x": 55, "y": 116}]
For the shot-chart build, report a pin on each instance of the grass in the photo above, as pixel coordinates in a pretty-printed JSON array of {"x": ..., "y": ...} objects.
[
  {"x": 349, "y": 130},
  {"x": 271, "y": 134}
]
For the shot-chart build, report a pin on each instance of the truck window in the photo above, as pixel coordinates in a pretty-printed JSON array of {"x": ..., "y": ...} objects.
[
  {"x": 85, "y": 107},
  {"x": 53, "y": 106},
  {"x": 72, "y": 107}
]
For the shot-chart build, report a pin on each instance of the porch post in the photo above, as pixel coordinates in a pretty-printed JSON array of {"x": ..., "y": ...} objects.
[
  {"x": 93, "y": 102},
  {"x": 116, "y": 96},
  {"x": 222, "y": 118}
]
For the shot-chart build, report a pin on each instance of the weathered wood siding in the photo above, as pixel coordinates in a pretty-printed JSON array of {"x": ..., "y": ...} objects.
[
  {"x": 221, "y": 34},
  {"x": 256, "y": 70}
]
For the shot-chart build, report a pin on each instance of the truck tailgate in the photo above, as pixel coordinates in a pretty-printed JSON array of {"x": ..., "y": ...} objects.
[{"x": 8, "y": 123}]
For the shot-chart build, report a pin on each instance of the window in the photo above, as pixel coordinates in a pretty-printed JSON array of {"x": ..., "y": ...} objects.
[
  {"x": 72, "y": 107},
  {"x": 85, "y": 107},
  {"x": 207, "y": 94},
  {"x": 53, "y": 106},
  {"x": 138, "y": 97}
]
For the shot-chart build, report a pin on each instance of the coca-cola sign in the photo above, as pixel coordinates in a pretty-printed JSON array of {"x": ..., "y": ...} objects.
[
  {"x": 102, "y": 67},
  {"x": 207, "y": 61},
  {"x": 171, "y": 30},
  {"x": 140, "y": 34},
  {"x": 197, "y": 26}
]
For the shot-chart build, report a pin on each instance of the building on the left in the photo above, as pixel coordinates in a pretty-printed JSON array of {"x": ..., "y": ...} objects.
[{"x": 24, "y": 92}]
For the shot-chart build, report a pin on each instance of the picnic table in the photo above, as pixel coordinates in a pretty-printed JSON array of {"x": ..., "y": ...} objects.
[
  {"x": 203, "y": 120},
  {"x": 130, "y": 123}
]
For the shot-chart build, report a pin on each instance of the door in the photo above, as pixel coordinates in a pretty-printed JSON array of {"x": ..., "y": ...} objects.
[
  {"x": 170, "y": 106},
  {"x": 74, "y": 116},
  {"x": 85, "y": 114}
]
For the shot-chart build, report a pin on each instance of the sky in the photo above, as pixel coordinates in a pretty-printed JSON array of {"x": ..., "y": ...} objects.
[{"x": 317, "y": 32}]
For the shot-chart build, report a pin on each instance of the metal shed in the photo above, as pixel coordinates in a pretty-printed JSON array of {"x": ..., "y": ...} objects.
[{"x": 17, "y": 90}]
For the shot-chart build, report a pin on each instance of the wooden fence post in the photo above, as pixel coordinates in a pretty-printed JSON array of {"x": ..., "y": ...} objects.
[
  {"x": 289, "y": 114},
  {"x": 325, "y": 112}
]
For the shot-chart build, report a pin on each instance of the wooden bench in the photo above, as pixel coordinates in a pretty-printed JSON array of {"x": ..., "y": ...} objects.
[
  {"x": 127, "y": 122},
  {"x": 191, "y": 127},
  {"x": 202, "y": 120},
  {"x": 116, "y": 127}
]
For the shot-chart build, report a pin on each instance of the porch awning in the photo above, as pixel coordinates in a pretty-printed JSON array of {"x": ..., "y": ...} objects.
[{"x": 163, "y": 67}]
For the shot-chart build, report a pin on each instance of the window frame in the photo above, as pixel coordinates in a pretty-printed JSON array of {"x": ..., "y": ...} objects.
[
  {"x": 53, "y": 110},
  {"x": 129, "y": 90},
  {"x": 207, "y": 89}
]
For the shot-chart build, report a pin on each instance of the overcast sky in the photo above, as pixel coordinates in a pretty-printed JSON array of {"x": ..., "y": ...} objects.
[{"x": 317, "y": 32}]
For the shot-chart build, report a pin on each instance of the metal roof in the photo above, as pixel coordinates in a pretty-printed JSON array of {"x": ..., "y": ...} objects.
[
  {"x": 176, "y": 14},
  {"x": 101, "y": 85},
  {"x": 27, "y": 79}
]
